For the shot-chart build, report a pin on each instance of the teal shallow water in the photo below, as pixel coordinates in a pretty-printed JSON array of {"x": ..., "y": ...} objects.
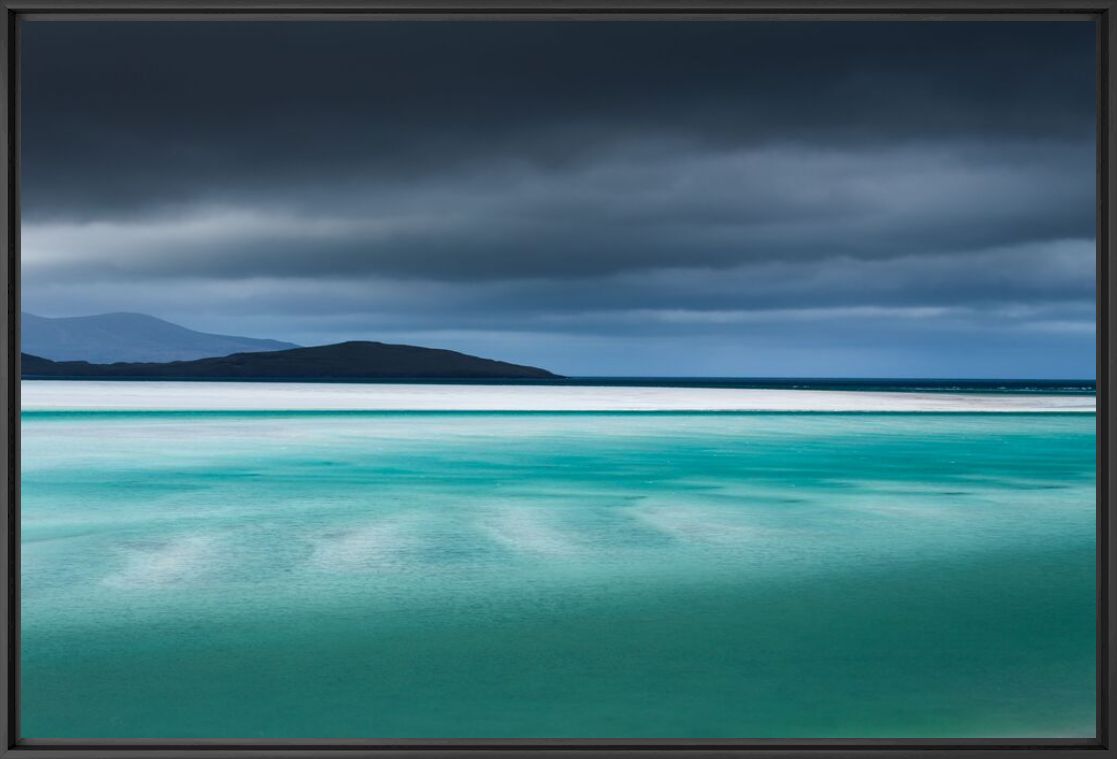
[{"x": 557, "y": 575}]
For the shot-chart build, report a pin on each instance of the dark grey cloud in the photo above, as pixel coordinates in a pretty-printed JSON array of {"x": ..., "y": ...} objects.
[
  {"x": 652, "y": 208},
  {"x": 498, "y": 186},
  {"x": 120, "y": 116}
]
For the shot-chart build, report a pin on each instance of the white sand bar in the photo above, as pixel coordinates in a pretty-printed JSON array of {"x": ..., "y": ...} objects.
[{"x": 268, "y": 396}]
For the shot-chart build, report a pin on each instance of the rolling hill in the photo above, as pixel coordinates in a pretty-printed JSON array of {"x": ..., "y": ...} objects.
[
  {"x": 356, "y": 360},
  {"x": 108, "y": 338}
]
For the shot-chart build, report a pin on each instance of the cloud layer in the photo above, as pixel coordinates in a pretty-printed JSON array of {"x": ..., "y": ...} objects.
[{"x": 837, "y": 199}]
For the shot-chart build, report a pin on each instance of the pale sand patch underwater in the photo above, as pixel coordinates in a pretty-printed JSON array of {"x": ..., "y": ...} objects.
[{"x": 52, "y": 395}]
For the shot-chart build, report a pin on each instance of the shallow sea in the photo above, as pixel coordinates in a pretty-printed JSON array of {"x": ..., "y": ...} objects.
[{"x": 572, "y": 574}]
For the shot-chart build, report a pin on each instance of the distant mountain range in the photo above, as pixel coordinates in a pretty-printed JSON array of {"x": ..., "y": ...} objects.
[
  {"x": 343, "y": 361},
  {"x": 107, "y": 338}
]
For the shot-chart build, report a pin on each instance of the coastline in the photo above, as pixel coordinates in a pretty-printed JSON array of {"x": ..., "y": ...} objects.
[{"x": 108, "y": 395}]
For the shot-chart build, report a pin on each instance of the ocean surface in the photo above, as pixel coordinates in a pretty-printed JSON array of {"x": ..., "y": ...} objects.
[{"x": 326, "y": 571}]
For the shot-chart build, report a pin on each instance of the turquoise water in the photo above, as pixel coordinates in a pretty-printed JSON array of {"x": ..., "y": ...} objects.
[{"x": 528, "y": 575}]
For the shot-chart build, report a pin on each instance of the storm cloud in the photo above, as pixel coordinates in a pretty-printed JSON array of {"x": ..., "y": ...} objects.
[{"x": 793, "y": 198}]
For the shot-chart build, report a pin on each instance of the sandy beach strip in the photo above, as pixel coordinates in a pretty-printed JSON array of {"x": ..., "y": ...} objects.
[{"x": 38, "y": 395}]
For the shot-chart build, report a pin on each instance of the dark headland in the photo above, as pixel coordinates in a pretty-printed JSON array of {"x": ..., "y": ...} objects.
[{"x": 356, "y": 360}]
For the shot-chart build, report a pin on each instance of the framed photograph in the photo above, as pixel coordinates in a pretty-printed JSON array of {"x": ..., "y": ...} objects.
[{"x": 520, "y": 377}]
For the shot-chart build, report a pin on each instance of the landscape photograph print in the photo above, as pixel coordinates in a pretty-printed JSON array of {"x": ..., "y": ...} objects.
[{"x": 637, "y": 379}]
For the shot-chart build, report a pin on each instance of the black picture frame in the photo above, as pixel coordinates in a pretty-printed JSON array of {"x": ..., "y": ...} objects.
[{"x": 1102, "y": 12}]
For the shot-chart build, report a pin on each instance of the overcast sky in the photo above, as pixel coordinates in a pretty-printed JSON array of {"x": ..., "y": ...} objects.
[{"x": 599, "y": 198}]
